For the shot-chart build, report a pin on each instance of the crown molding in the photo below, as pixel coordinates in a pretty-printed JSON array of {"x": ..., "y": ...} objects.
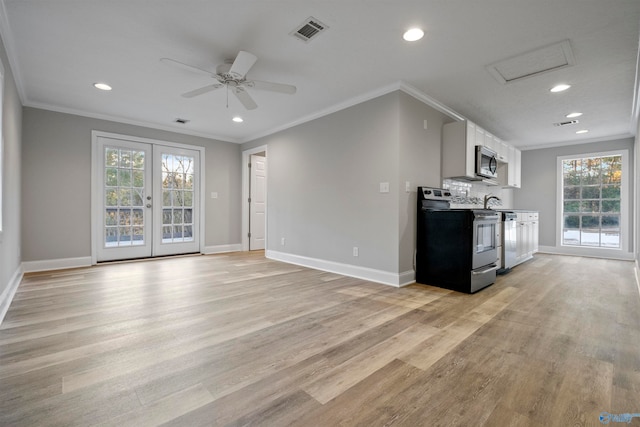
[
  {"x": 127, "y": 121},
  {"x": 576, "y": 142}
]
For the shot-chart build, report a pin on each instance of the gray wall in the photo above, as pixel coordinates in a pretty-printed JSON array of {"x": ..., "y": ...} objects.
[
  {"x": 539, "y": 182},
  {"x": 324, "y": 177},
  {"x": 420, "y": 164},
  {"x": 323, "y": 186},
  {"x": 56, "y": 179},
  {"x": 10, "y": 259}
]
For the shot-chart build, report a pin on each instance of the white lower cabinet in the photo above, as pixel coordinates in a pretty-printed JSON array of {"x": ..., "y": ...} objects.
[{"x": 527, "y": 229}]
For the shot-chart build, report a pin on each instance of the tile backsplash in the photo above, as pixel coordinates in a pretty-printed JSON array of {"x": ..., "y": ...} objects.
[{"x": 470, "y": 194}]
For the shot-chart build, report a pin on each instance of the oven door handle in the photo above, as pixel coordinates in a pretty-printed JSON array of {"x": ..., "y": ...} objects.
[{"x": 487, "y": 270}]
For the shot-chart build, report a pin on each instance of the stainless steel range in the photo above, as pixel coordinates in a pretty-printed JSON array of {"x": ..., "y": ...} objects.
[{"x": 456, "y": 248}]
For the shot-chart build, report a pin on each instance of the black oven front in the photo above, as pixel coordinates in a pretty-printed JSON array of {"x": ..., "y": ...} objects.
[{"x": 455, "y": 248}]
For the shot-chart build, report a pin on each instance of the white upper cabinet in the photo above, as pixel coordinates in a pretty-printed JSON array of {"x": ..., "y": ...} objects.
[
  {"x": 480, "y": 135},
  {"x": 459, "y": 140},
  {"x": 510, "y": 172},
  {"x": 503, "y": 154}
]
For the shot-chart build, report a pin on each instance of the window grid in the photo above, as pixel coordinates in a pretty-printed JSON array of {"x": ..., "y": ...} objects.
[
  {"x": 591, "y": 201},
  {"x": 124, "y": 197},
  {"x": 177, "y": 198}
]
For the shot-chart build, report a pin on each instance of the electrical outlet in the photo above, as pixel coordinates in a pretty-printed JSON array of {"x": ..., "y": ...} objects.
[
  {"x": 355, "y": 251},
  {"x": 282, "y": 241}
]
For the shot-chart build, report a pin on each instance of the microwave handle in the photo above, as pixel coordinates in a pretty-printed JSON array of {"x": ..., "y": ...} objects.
[{"x": 493, "y": 165}]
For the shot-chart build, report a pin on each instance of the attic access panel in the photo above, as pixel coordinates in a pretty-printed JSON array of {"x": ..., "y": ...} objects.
[{"x": 532, "y": 63}]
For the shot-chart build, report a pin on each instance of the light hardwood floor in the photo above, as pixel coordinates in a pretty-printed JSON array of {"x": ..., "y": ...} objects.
[{"x": 241, "y": 340}]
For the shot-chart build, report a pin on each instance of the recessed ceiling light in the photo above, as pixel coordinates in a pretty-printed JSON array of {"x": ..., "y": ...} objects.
[
  {"x": 413, "y": 34},
  {"x": 582, "y": 131},
  {"x": 573, "y": 115},
  {"x": 238, "y": 119},
  {"x": 102, "y": 86},
  {"x": 560, "y": 88}
]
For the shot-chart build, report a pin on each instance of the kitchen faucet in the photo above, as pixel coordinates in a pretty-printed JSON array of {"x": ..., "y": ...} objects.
[{"x": 488, "y": 197}]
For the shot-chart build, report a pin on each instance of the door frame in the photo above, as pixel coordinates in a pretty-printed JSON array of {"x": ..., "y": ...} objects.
[
  {"x": 246, "y": 157},
  {"x": 96, "y": 168}
]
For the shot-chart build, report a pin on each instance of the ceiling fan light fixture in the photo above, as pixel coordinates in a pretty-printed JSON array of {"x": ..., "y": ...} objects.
[
  {"x": 560, "y": 88},
  {"x": 413, "y": 34},
  {"x": 238, "y": 119},
  {"x": 573, "y": 115},
  {"x": 102, "y": 86}
]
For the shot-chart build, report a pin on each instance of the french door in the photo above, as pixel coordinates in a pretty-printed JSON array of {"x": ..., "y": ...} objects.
[{"x": 147, "y": 202}]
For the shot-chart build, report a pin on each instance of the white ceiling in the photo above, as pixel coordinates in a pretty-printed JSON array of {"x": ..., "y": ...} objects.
[{"x": 58, "y": 49}]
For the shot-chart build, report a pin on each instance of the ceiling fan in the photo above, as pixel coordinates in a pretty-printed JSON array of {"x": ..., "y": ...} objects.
[{"x": 233, "y": 76}]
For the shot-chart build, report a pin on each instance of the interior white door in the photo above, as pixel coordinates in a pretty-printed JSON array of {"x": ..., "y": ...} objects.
[
  {"x": 124, "y": 183},
  {"x": 148, "y": 200},
  {"x": 176, "y": 191},
  {"x": 258, "y": 202}
]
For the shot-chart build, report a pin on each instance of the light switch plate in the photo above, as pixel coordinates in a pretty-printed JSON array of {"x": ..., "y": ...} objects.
[
  {"x": 407, "y": 186},
  {"x": 214, "y": 195},
  {"x": 384, "y": 187}
]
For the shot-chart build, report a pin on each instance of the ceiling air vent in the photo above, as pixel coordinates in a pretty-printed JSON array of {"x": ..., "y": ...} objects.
[
  {"x": 309, "y": 29},
  {"x": 567, "y": 123},
  {"x": 182, "y": 121}
]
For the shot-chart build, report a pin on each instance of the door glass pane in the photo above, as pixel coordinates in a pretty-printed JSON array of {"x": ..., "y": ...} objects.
[
  {"x": 178, "y": 192},
  {"x": 124, "y": 189},
  {"x": 136, "y": 197}
]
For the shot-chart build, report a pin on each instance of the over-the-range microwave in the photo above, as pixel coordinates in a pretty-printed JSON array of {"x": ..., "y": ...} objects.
[{"x": 486, "y": 162}]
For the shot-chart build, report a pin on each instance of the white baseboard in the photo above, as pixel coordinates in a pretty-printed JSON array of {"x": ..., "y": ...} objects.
[
  {"x": 587, "y": 252},
  {"x": 56, "y": 264},
  {"x": 7, "y": 295},
  {"x": 407, "y": 278},
  {"x": 373, "y": 275},
  {"x": 221, "y": 249}
]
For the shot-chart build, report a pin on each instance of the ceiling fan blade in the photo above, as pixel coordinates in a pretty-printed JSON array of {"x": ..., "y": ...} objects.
[
  {"x": 202, "y": 90},
  {"x": 273, "y": 87},
  {"x": 243, "y": 63},
  {"x": 174, "y": 63},
  {"x": 244, "y": 98}
]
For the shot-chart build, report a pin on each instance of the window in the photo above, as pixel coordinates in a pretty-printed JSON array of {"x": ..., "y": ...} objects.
[{"x": 593, "y": 200}]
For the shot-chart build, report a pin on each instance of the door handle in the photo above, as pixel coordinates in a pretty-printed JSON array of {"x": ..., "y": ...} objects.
[
  {"x": 148, "y": 205},
  {"x": 148, "y": 197}
]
